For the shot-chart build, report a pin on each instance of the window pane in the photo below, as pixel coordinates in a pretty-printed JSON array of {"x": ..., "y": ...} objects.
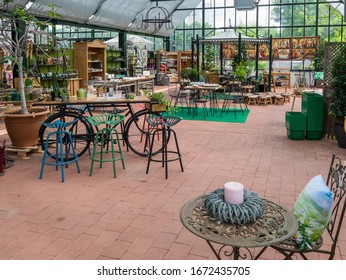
[
  {"x": 263, "y": 16},
  {"x": 209, "y": 17},
  {"x": 310, "y": 31},
  {"x": 299, "y": 15},
  {"x": 298, "y": 32},
  {"x": 335, "y": 33},
  {"x": 241, "y": 17},
  {"x": 219, "y": 18},
  {"x": 221, "y": 3},
  {"x": 286, "y": 15}
]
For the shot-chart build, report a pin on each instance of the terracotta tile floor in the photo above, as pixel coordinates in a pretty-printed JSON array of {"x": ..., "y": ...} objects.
[{"x": 136, "y": 216}]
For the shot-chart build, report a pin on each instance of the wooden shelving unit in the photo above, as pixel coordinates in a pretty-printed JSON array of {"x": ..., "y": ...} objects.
[
  {"x": 171, "y": 60},
  {"x": 90, "y": 60}
]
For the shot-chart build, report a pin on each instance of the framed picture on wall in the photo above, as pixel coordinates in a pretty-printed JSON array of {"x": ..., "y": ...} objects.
[
  {"x": 229, "y": 50},
  {"x": 281, "y": 48},
  {"x": 263, "y": 51}
]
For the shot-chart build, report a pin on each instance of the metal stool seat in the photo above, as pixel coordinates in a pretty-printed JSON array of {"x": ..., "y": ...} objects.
[
  {"x": 116, "y": 111},
  {"x": 63, "y": 143},
  {"x": 162, "y": 125},
  {"x": 104, "y": 140}
]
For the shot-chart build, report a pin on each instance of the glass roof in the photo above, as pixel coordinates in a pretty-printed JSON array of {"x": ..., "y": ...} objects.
[
  {"x": 118, "y": 14},
  {"x": 338, "y": 6}
]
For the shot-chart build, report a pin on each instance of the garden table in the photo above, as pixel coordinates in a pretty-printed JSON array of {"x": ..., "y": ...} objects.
[
  {"x": 210, "y": 90},
  {"x": 275, "y": 225}
]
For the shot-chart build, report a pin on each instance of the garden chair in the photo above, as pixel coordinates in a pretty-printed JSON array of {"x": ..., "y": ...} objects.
[
  {"x": 180, "y": 95},
  {"x": 336, "y": 181}
]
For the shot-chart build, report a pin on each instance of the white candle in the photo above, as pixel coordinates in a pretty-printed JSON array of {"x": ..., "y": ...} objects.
[{"x": 234, "y": 192}]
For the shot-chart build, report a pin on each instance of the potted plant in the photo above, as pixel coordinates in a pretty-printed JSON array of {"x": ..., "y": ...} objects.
[
  {"x": 63, "y": 94},
  {"x": 159, "y": 102},
  {"x": 24, "y": 26},
  {"x": 243, "y": 70},
  {"x": 337, "y": 106},
  {"x": 190, "y": 74}
]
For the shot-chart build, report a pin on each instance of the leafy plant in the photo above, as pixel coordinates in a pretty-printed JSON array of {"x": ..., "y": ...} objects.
[
  {"x": 318, "y": 60},
  {"x": 23, "y": 27},
  {"x": 337, "y": 107},
  {"x": 262, "y": 65},
  {"x": 28, "y": 82},
  {"x": 160, "y": 98},
  {"x": 243, "y": 69},
  {"x": 63, "y": 91},
  {"x": 210, "y": 54},
  {"x": 189, "y": 73}
]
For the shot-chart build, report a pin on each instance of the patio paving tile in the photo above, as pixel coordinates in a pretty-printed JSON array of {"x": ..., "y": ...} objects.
[{"x": 136, "y": 215}]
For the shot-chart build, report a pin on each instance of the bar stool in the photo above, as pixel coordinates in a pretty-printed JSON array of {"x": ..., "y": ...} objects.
[
  {"x": 162, "y": 125},
  {"x": 103, "y": 138},
  {"x": 63, "y": 143},
  {"x": 116, "y": 111}
]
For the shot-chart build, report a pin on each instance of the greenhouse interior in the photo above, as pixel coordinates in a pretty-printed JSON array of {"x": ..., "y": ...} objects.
[{"x": 172, "y": 130}]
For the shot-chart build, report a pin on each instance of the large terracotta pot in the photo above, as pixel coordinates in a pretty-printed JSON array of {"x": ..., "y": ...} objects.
[{"x": 23, "y": 128}]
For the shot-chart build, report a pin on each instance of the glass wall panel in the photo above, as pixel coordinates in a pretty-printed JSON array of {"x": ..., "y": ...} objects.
[
  {"x": 251, "y": 18},
  {"x": 310, "y": 31},
  {"x": 335, "y": 33},
  {"x": 264, "y": 17},
  {"x": 298, "y": 32},
  {"x": 286, "y": 15},
  {"x": 209, "y": 17},
  {"x": 219, "y": 18},
  {"x": 263, "y": 32},
  {"x": 240, "y": 18},
  {"x": 209, "y": 3},
  {"x": 299, "y": 15},
  {"x": 221, "y": 3}
]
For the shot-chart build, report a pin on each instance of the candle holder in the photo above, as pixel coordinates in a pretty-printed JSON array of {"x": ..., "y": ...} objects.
[{"x": 239, "y": 214}]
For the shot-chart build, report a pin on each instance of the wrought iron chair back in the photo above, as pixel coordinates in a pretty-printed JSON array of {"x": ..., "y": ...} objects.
[{"x": 337, "y": 183}]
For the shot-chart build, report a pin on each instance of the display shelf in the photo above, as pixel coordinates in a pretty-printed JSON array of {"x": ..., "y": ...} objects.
[
  {"x": 131, "y": 62},
  {"x": 116, "y": 61},
  {"x": 90, "y": 60}
]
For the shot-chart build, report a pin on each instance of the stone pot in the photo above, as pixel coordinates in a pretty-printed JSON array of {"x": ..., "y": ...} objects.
[{"x": 23, "y": 128}]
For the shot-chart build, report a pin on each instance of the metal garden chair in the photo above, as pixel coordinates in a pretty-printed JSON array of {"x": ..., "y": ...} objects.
[{"x": 337, "y": 183}]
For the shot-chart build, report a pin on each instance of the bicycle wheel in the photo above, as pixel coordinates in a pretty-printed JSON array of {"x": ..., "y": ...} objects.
[
  {"x": 136, "y": 131},
  {"x": 81, "y": 131}
]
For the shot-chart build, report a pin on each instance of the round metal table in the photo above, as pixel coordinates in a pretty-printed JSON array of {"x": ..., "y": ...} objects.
[{"x": 275, "y": 225}]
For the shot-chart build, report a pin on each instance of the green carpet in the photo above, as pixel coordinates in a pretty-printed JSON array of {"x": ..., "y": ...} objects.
[{"x": 226, "y": 117}]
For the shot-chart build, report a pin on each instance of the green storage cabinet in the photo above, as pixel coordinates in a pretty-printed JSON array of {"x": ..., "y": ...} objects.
[
  {"x": 312, "y": 106},
  {"x": 295, "y": 125}
]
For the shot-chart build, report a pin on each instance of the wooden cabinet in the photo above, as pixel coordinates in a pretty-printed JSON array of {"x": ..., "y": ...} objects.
[
  {"x": 171, "y": 61},
  {"x": 90, "y": 60}
]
